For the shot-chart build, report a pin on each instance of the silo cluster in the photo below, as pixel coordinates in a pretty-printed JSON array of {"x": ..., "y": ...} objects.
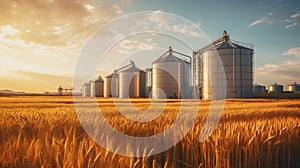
[
  {"x": 237, "y": 60},
  {"x": 93, "y": 88},
  {"x": 170, "y": 76}
]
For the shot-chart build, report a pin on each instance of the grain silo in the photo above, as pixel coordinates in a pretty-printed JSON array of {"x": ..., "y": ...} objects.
[
  {"x": 97, "y": 87},
  {"x": 86, "y": 90},
  {"x": 259, "y": 89},
  {"x": 295, "y": 88},
  {"x": 148, "y": 82},
  {"x": 131, "y": 81},
  {"x": 275, "y": 88},
  {"x": 237, "y": 60},
  {"x": 111, "y": 85},
  {"x": 171, "y": 76}
]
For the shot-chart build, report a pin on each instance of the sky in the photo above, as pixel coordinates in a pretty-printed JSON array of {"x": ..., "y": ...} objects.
[{"x": 41, "y": 41}]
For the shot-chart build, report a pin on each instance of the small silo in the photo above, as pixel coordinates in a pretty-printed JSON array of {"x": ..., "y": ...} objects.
[
  {"x": 60, "y": 91},
  {"x": 237, "y": 60},
  {"x": 131, "y": 82},
  {"x": 98, "y": 89},
  {"x": 86, "y": 91},
  {"x": 111, "y": 85},
  {"x": 275, "y": 88},
  {"x": 171, "y": 76},
  {"x": 148, "y": 81},
  {"x": 259, "y": 89},
  {"x": 295, "y": 88}
]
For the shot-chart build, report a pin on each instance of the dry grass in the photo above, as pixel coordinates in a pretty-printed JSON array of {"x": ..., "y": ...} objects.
[{"x": 45, "y": 132}]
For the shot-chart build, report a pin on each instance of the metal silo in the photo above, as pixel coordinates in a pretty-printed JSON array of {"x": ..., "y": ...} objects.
[
  {"x": 97, "y": 87},
  {"x": 131, "y": 81},
  {"x": 259, "y": 89},
  {"x": 171, "y": 76},
  {"x": 86, "y": 91},
  {"x": 295, "y": 88},
  {"x": 237, "y": 60},
  {"x": 111, "y": 85},
  {"x": 148, "y": 82},
  {"x": 275, "y": 88}
]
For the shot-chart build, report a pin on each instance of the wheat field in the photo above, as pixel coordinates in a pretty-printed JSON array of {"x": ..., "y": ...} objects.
[{"x": 45, "y": 132}]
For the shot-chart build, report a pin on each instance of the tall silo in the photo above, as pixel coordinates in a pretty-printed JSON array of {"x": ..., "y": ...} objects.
[
  {"x": 237, "y": 60},
  {"x": 295, "y": 88},
  {"x": 98, "y": 87},
  {"x": 111, "y": 85},
  {"x": 197, "y": 75},
  {"x": 171, "y": 76},
  {"x": 86, "y": 89},
  {"x": 148, "y": 82},
  {"x": 131, "y": 81},
  {"x": 259, "y": 89},
  {"x": 275, "y": 88}
]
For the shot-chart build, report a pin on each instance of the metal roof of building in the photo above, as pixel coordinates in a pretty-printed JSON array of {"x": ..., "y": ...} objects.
[
  {"x": 99, "y": 79},
  {"x": 129, "y": 68},
  {"x": 173, "y": 56}
]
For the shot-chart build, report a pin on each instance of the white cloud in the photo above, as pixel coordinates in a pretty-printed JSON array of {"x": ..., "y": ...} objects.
[
  {"x": 292, "y": 51},
  {"x": 265, "y": 19},
  {"x": 291, "y": 25},
  {"x": 295, "y": 15},
  {"x": 285, "y": 73},
  {"x": 130, "y": 46}
]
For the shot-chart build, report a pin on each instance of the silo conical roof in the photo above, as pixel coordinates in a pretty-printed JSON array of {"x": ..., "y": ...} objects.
[
  {"x": 129, "y": 68},
  {"x": 114, "y": 74},
  {"x": 170, "y": 57},
  {"x": 99, "y": 79}
]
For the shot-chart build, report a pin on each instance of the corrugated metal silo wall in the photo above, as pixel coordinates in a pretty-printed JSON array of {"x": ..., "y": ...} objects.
[
  {"x": 259, "y": 89},
  {"x": 148, "y": 83},
  {"x": 275, "y": 89},
  {"x": 294, "y": 88},
  {"x": 99, "y": 89},
  {"x": 237, "y": 63},
  {"x": 92, "y": 89},
  {"x": 197, "y": 76},
  {"x": 111, "y": 87},
  {"x": 87, "y": 90},
  {"x": 132, "y": 84},
  {"x": 162, "y": 79}
]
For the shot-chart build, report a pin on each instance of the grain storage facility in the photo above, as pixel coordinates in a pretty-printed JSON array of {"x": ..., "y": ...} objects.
[
  {"x": 275, "y": 88},
  {"x": 131, "y": 82},
  {"x": 111, "y": 85},
  {"x": 237, "y": 59},
  {"x": 86, "y": 89},
  {"x": 171, "y": 75},
  {"x": 148, "y": 82},
  {"x": 295, "y": 88},
  {"x": 259, "y": 89},
  {"x": 97, "y": 87}
]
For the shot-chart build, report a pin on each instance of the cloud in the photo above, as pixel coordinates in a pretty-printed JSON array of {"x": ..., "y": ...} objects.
[
  {"x": 291, "y": 25},
  {"x": 295, "y": 15},
  {"x": 285, "y": 73},
  {"x": 265, "y": 19},
  {"x": 292, "y": 51},
  {"x": 130, "y": 46},
  {"x": 53, "y": 22}
]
